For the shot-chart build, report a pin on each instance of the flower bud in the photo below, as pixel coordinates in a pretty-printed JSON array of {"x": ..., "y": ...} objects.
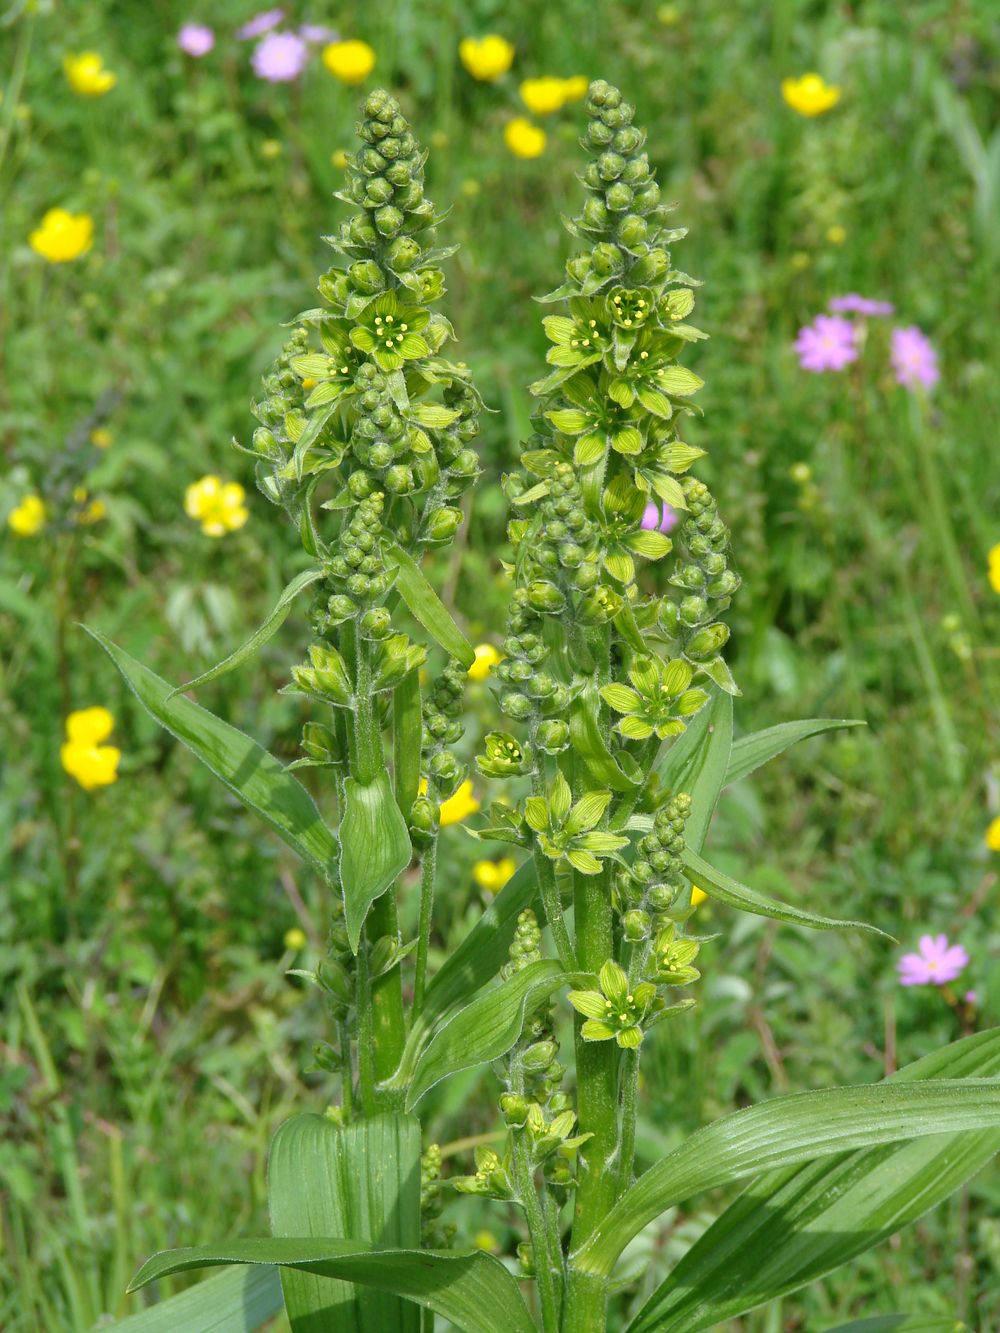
[
  {"x": 444, "y": 523},
  {"x": 514, "y": 1109},
  {"x": 607, "y": 258},
  {"x": 539, "y": 1056},
  {"x": 403, "y": 254},
  {"x": 636, "y": 926},
  {"x": 707, "y": 641},
  {"x": 544, "y": 596},
  {"x": 423, "y": 815},
  {"x": 376, "y": 623},
  {"x": 662, "y": 898},
  {"x": 552, "y": 736},
  {"x": 389, "y": 220},
  {"x": 650, "y": 268},
  {"x": 366, "y": 276},
  {"x": 693, "y": 610},
  {"x": 332, "y": 976},
  {"x": 619, "y": 197}
]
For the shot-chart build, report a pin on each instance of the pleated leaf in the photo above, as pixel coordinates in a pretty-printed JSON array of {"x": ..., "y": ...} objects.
[
  {"x": 250, "y": 773},
  {"x": 800, "y": 1222},
  {"x": 237, "y": 1301},
  {"x": 800, "y": 1127},
  {"x": 375, "y": 848},
  {"x": 474, "y": 1291},
  {"x": 360, "y": 1181}
]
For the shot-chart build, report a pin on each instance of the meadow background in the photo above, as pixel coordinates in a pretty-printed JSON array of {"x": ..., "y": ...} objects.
[{"x": 151, "y": 1040}]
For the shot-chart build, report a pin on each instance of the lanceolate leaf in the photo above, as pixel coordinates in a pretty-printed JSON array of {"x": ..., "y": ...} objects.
[
  {"x": 406, "y": 735},
  {"x": 474, "y": 1291},
  {"x": 270, "y": 627},
  {"x": 476, "y": 961},
  {"x": 487, "y": 1028},
  {"x": 724, "y": 889},
  {"x": 424, "y": 603},
  {"x": 589, "y": 743},
  {"x": 360, "y": 1180},
  {"x": 375, "y": 848},
  {"x": 903, "y": 1323},
  {"x": 750, "y": 752},
  {"x": 237, "y": 1301},
  {"x": 250, "y": 773},
  {"x": 797, "y": 1128},
  {"x": 796, "y": 1224}
]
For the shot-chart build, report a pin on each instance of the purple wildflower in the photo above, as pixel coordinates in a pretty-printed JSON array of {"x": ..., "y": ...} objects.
[
  {"x": 828, "y": 343},
  {"x": 914, "y": 359},
  {"x": 935, "y": 963},
  {"x": 970, "y": 997},
  {"x": 280, "y": 57},
  {"x": 259, "y": 24},
  {"x": 195, "y": 39},
  {"x": 652, "y": 521},
  {"x": 853, "y": 304},
  {"x": 317, "y": 32}
]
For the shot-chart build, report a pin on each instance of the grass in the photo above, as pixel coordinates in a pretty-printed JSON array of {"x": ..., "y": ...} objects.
[{"x": 151, "y": 1040}]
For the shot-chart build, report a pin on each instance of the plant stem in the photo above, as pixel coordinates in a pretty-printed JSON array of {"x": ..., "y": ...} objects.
[
  {"x": 366, "y": 1041},
  {"x": 428, "y": 871},
  {"x": 597, "y": 1108},
  {"x": 528, "y": 1195},
  {"x": 630, "y": 1109},
  {"x": 346, "y": 1070}
]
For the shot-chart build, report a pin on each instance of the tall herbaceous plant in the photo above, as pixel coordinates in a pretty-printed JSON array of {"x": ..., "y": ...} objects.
[{"x": 616, "y": 742}]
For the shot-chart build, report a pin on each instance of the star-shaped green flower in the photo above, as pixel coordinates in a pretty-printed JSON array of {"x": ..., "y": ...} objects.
[
  {"x": 673, "y": 955},
  {"x": 614, "y": 1010},
  {"x": 567, "y": 832},
  {"x": 659, "y": 700},
  {"x": 623, "y": 507},
  {"x": 390, "y": 333}
]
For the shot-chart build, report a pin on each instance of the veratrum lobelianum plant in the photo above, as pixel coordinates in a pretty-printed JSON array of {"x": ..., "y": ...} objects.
[{"x": 621, "y": 710}]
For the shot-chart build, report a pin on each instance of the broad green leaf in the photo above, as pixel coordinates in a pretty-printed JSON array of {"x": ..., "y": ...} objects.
[
  {"x": 250, "y": 773},
  {"x": 724, "y": 889},
  {"x": 424, "y": 603},
  {"x": 476, "y": 961},
  {"x": 474, "y": 1291},
  {"x": 485, "y": 1029},
  {"x": 407, "y": 730},
  {"x": 750, "y": 752},
  {"x": 903, "y": 1323},
  {"x": 797, "y": 1224},
  {"x": 237, "y": 1301},
  {"x": 360, "y": 1180},
  {"x": 275, "y": 619},
  {"x": 697, "y": 762},
  {"x": 799, "y": 1127},
  {"x": 374, "y": 848}
]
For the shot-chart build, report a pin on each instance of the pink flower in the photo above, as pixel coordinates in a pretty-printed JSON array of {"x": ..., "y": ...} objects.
[
  {"x": 280, "y": 57},
  {"x": 914, "y": 359},
  {"x": 935, "y": 963},
  {"x": 260, "y": 23},
  {"x": 652, "y": 521},
  {"x": 853, "y": 304},
  {"x": 828, "y": 343},
  {"x": 195, "y": 39},
  {"x": 317, "y": 32}
]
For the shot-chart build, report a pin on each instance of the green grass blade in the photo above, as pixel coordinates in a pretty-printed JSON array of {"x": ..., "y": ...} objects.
[{"x": 237, "y": 1301}]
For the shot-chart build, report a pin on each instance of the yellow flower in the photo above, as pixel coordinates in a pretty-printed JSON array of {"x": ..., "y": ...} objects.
[
  {"x": 486, "y": 659},
  {"x": 63, "y": 236},
  {"x": 486, "y": 58},
  {"x": 88, "y": 513},
  {"x": 575, "y": 87},
  {"x": 485, "y": 1240},
  {"x": 458, "y": 807},
  {"x": 350, "y": 62},
  {"x": 83, "y": 756},
  {"x": 836, "y": 234},
  {"x": 29, "y": 516},
  {"x": 295, "y": 939},
  {"x": 87, "y": 75},
  {"x": 810, "y": 95},
  {"x": 543, "y": 96},
  {"x": 101, "y": 438},
  {"x": 493, "y": 875},
  {"x": 800, "y": 472},
  {"x": 994, "y": 558},
  {"x": 524, "y": 139},
  {"x": 218, "y": 506},
  {"x": 270, "y": 149},
  {"x": 993, "y": 835},
  {"x": 339, "y": 159},
  {"x": 698, "y": 896}
]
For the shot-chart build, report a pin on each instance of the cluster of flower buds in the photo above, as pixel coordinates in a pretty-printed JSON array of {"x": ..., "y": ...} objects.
[
  {"x": 442, "y": 707},
  {"x": 649, "y": 889},
  {"x": 434, "y": 1234}
]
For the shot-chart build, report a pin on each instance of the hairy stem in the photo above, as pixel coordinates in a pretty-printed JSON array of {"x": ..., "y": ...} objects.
[
  {"x": 428, "y": 871},
  {"x": 528, "y": 1195}
]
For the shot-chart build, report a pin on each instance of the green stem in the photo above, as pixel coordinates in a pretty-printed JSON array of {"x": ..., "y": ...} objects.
[
  {"x": 428, "y": 870},
  {"x": 366, "y": 1039},
  {"x": 630, "y": 1111},
  {"x": 346, "y": 1070},
  {"x": 597, "y": 1108},
  {"x": 528, "y": 1195},
  {"x": 549, "y": 891}
]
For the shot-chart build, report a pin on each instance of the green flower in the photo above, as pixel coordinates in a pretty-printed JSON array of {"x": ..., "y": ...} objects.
[
  {"x": 504, "y": 757},
  {"x": 659, "y": 700},
  {"x": 673, "y": 955},
  {"x": 614, "y": 1010},
  {"x": 492, "y": 1178},
  {"x": 597, "y": 421},
  {"x": 390, "y": 332},
  {"x": 564, "y": 830},
  {"x": 623, "y": 507}
]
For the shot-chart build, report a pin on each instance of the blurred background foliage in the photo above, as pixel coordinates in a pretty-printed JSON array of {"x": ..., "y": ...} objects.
[{"x": 151, "y": 1040}]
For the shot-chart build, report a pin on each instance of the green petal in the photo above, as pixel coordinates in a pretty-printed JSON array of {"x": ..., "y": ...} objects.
[
  {"x": 621, "y": 698},
  {"x": 590, "y": 1003},
  {"x": 595, "y": 1031}
]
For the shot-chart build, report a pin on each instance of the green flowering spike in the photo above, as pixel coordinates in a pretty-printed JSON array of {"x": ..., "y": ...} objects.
[
  {"x": 655, "y": 879},
  {"x": 567, "y": 831},
  {"x": 443, "y": 728}
]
